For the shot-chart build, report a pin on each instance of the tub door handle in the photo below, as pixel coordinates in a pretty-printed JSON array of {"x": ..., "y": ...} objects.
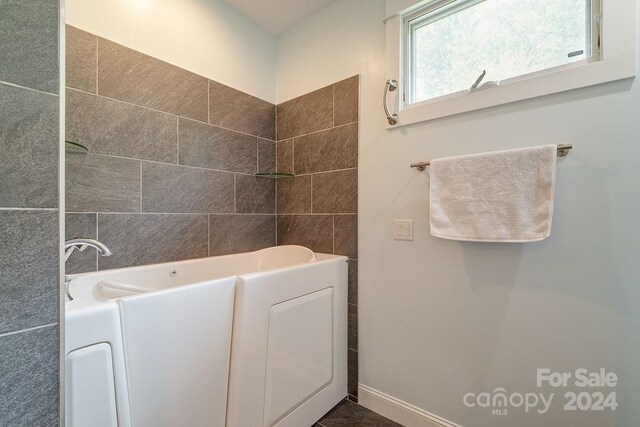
[{"x": 391, "y": 86}]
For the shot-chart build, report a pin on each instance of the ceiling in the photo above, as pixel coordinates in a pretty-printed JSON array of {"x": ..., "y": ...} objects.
[{"x": 276, "y": 16}]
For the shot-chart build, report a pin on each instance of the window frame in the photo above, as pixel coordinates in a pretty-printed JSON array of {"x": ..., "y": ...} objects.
[{"x": 613, "y": 59}]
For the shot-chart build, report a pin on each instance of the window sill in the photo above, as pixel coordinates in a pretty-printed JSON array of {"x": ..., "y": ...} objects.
[{"x": 561, "y": 79}]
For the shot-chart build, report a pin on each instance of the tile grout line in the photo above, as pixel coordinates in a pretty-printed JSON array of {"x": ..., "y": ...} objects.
[
  {"x": 293, "y": 156},
  {"x": 17, "y": 86},
  {"x": 177, "y": 140},
  {"x": 97, "y": 62},
  {"x": 181, "y": 213},
  {"x": 34, "y": 328},
  {"x": 235, "y": 193},
  {"x": 165, "y": 112},
  {"x": 171, "y": 164},
  {"x": 311, "y": 193},
  {"x": 333, "y": 233},
  {"x": 29, "y": 209},
  {"x": 320, "y": 130},
  {"x": 330, "y": 171},
  {"x": 275, "y": 137},
  {"x": 140, "y": 187},
  {"x": 275, "y": 218},
  {"x": 98, "y": 239},
  {"x": 333, "y": 105}
]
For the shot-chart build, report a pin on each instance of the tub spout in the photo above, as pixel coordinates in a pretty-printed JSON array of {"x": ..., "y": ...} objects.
[{"x": 81, "y": 244}]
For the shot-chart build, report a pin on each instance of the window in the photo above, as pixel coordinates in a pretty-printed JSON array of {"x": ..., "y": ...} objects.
[
  {"x": 451, "y": 43},
  {"x": 437, "y": 50}
]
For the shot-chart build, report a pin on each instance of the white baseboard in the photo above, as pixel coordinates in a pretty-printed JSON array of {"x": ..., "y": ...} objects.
[{"x": 399, "y": 411}]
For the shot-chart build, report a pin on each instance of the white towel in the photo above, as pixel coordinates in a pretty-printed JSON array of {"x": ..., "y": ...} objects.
[{"x": 504, "y": 196}]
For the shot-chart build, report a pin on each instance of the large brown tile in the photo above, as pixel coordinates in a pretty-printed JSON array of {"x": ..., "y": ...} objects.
[
  {"x": 97, "y": 183},
  {"x": 345, "y": 100},
  {"x": 353, "y": 281},
  {"x": 284, "y": 156},
  {"x": 29, "y": 269},
  {"x": 140, "y": 239},
  {"x": 29, "y": 380},
  {"x": 345, "y": 229},
  {"x": 328, "y": 150},
  {"x": 29, "y": 43},
  {"x": 308, "y": 113},
  {"x": 336, "y": 192},
  {"x": 294, "y": 195},
  {"x": 185, "y": 189},
  {"x": 230, "y": 234},
  {"x": 352, "y": 373},
  {"x": 112, "y": 127},
  {"x": 232, "y": 109},
  {"x": 348, "y": 413},
  {"x": 29, "y": 143},
  {"x": 313, "y": 231},
  {"x": 81, "y": 59},
  {"x": 255, "y": 195},
  {"x": 216, "y": 148},
  {"x": 131, "y": 76},
  {"x": 266, "y": 155},
  {"x": 81, "y": 225},
  {"x": 352, "y": 321}
]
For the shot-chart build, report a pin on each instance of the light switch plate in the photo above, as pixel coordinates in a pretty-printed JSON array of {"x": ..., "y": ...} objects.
[{"x": 402, "y": 229}]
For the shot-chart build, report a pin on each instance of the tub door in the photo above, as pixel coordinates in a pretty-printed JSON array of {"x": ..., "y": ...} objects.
[{"x": 177, "y": 349}]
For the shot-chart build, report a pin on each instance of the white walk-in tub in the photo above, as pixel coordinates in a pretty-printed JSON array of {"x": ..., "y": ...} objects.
[{"x": 253, "y": 339}]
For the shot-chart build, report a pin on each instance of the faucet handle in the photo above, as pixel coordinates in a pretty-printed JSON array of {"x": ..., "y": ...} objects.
[{"x": 68, "y": 252}]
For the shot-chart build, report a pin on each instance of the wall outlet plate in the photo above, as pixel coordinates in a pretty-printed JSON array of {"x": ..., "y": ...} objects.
[{"x": 403, "y": 229}]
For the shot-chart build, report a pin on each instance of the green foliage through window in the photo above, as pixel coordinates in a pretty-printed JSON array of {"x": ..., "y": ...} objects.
[{"x": 451, "y": 46}]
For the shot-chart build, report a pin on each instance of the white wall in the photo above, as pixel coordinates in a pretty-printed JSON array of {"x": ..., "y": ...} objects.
[
  {"x": 206, "y": 37},
  {"x": 439, "y": 318}
]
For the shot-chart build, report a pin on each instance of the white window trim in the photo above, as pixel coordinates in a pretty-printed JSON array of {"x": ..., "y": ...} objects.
[{"x": 617, "y": 62}]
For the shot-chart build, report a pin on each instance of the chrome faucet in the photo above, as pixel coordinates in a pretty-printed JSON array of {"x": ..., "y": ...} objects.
[{"x": 81, "y": 244}]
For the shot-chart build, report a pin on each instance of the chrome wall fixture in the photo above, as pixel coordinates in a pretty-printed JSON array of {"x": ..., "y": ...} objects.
[
  {"x": 391, "y": 86},
  {"x": 563, "y": 150}
]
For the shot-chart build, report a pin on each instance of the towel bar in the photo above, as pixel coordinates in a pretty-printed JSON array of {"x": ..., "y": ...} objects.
[{"x": 563, "y": 150}]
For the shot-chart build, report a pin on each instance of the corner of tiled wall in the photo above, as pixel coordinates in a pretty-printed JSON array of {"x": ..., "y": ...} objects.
[
  {"x": 172, "y": 157},
  {"x": 317, "y": 140},
  {"x": 29, "y": 203}
]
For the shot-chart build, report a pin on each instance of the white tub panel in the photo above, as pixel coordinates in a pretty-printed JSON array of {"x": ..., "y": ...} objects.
[
  {"x": 177, "y": 345},
  {"x": 90, "y": 387},
  {"x": 256, "y": 294},
  {"x": 300, "y": 356},
  {"x": 88, "y": 324}
]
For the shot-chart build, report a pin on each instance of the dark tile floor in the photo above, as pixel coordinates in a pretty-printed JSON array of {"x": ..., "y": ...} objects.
[{"x": 347, "y": 413}]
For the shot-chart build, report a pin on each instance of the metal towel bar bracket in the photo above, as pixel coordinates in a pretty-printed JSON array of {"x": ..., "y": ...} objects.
[{"x": 563, "y": 150}]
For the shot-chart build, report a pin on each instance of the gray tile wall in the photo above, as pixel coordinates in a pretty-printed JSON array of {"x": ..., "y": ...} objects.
[
  {"x": 172, "y": 158},
  {"x": 318, "y": 141},
  {"x": 29, "y": 112}
]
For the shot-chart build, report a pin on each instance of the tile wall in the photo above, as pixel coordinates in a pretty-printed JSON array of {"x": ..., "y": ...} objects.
[
  {"x": 171, "y": 163},
  {"x": 317, "y": 140},
  {"x": 29, "y": 269}
]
